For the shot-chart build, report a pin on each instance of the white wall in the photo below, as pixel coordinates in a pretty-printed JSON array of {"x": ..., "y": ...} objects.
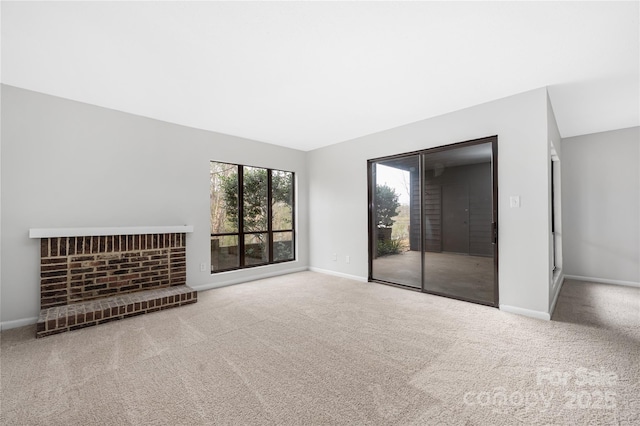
[
  {"x": 555, "y": 150},
  {"x": 69, "y": 164},
  {"x": 601, "y": 187},
  {"x": 66, "y": 163},
  {"x": 1, "y": 87},
  {"x": 338, "y": 192}
]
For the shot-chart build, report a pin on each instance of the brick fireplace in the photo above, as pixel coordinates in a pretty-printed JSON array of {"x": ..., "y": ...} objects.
[{"x": 94, "y": 275}]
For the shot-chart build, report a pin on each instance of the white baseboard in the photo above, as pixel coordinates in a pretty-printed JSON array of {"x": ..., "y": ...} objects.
[
  {"x": 526, "y": 312},
  {"x": 241, "y": 280},
  {"x": 338, "y": 274},
  {"x": 6, "y": 325},
  {"x": 603, "y": 280}
]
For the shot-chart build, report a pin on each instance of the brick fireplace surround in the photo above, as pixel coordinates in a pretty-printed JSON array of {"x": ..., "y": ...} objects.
[{"x": 92, "y": 279}]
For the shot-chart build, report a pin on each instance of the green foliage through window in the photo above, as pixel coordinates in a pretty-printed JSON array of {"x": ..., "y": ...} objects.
[
  {"x": 264, "y": 199},
  {"x": 387, "y": 247},
  {"x": 387, "y": 205}
]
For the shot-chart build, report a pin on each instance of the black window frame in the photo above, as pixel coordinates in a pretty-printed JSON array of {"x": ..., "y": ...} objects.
[{"x": 241, "y": 234}]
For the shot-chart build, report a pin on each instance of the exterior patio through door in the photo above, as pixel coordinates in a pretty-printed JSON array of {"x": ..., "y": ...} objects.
[{"x": 432, "y": 221}]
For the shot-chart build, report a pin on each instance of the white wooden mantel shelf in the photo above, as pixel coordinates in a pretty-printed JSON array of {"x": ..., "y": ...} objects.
[{"x": 88, "y": 232}]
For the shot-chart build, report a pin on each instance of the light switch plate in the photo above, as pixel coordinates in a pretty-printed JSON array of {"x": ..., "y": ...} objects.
[{"x": 514, "y": 201}]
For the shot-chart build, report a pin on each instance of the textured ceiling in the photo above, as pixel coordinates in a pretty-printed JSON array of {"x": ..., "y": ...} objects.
[{"x": 310, "y": 74}]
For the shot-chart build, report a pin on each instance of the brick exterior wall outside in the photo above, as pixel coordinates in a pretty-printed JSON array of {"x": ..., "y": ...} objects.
[{"x": 79, "y": 269}]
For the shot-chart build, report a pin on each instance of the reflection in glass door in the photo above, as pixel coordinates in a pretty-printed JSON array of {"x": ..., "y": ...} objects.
[
  {"x": 432, "y": 217},
  {"x": 459, "y": 245}
]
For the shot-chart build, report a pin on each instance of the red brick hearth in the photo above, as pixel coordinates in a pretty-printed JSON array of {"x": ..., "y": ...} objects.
[
  {"x": 79, "y": 315},
  {"x": 89, "y": 280}
]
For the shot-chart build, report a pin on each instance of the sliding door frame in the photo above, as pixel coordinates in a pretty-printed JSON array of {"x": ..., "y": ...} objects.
[
  {"x": 372, "y": 237},
  {"x": 494, "y": 225}
]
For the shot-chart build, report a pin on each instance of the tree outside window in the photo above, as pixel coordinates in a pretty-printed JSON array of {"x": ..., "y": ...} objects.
[{"x": 252, "y": 220}]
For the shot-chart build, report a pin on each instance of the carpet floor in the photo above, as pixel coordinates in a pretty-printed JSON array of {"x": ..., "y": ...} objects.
[{"x": 308, "y": 348}]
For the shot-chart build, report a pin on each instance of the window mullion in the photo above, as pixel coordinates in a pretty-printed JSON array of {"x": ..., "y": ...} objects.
[
  {"x": 241, "y": 215},
  {"x": 270, "y": 214},
  {"x": 293, "y": 215}
]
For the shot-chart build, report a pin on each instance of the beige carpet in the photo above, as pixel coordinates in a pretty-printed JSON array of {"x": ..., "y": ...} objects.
[{"x": 308, "y": 348}]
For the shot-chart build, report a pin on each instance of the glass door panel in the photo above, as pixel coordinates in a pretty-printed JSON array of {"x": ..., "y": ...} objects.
[
  {"x": 459, "y": 213},
  {"x": 395, "y": 221}
]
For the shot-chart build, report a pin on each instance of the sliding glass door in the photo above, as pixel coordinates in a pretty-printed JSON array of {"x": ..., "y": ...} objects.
[{"x": 433, "y": 217}]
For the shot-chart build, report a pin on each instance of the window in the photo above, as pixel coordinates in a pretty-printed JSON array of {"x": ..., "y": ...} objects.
[{"x": 252, "y": 220}]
